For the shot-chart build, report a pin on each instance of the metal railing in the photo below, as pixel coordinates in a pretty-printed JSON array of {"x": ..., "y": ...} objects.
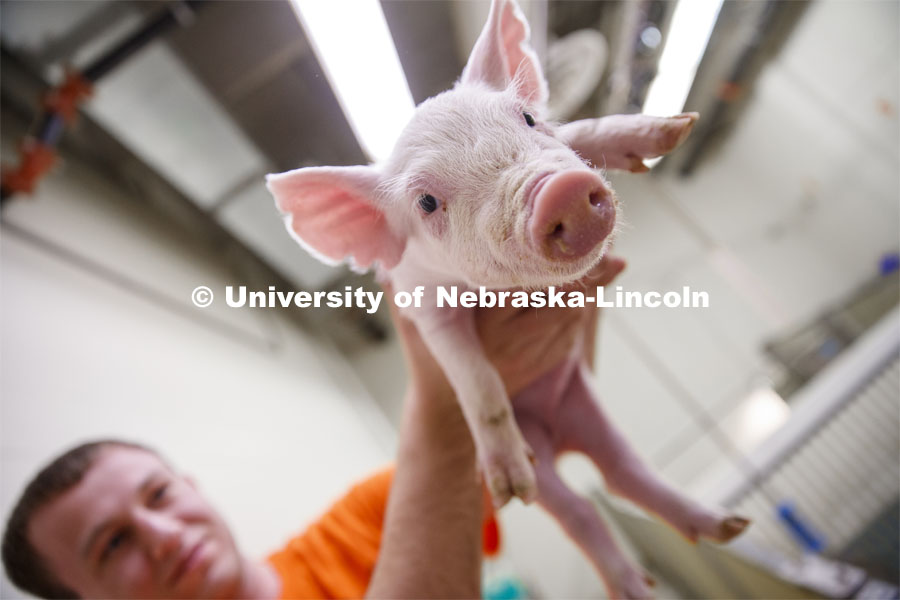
[{"x": 820, "y": 483}]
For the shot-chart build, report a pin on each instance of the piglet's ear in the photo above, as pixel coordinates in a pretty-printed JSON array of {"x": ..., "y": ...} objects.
[
  {"x": 331, "y": 211},
  {"x": 503, "y": 54},
  {"x": 624, "y": 141}
]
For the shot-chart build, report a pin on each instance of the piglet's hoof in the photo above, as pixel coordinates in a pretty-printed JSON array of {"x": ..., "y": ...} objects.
[
  {"x": 509, "y": 476},
  {"x": 731, "y": 527},
  {"x": 719, "y": 530}
]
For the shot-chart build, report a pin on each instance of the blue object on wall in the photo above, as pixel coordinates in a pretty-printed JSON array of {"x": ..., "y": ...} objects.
[
  {"x": 802, "y": 532},
  {"x": 889, "y": 263}
]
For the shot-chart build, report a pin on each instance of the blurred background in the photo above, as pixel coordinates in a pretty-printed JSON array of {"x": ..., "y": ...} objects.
[{"x": 781, "y": 400}]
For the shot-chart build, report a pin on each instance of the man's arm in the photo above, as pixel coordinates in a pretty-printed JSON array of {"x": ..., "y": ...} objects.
[{"x": 431, "y": 545}]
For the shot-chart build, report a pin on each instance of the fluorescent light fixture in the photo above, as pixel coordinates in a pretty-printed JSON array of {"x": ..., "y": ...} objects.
[
  {"x": 354, "y": 46},
  {"x": 692, "y": 24}
]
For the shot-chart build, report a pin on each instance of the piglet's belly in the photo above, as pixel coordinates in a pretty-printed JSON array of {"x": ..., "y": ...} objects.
[{"x": 546, "y": 398}]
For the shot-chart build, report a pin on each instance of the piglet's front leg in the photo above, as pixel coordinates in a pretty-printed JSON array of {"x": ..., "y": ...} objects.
[
  {"x": 624, "y": 141},
  {"x": 505, "y": 457}
]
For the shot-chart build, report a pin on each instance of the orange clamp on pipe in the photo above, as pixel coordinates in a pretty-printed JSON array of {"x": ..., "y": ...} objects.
[
  {"x": 65, "y": 98},
  {"x": 37, "y": 159}
]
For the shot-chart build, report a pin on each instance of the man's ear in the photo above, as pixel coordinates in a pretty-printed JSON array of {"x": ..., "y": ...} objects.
[
  {"x": 624, "y": 141},
  {"x": 332, "y": 212},
  {"x": 502, "y": 54}
]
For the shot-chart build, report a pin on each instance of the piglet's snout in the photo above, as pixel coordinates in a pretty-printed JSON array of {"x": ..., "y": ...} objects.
[{"x": 573, "y": 212}]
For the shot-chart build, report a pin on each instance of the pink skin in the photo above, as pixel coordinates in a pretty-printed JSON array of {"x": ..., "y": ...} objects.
[
  {"x": 514, "y": 202},
  {"x": 573, "y": 213},
  {"x": 623, "y": 141},
  {"x": 560, "y": 413}
]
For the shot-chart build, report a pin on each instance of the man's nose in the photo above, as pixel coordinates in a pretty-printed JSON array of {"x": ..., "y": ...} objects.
[{"x": 160, "y": 533}]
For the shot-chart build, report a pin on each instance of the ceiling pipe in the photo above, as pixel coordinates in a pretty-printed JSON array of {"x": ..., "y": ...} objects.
[{"x": 38, "y": 151}]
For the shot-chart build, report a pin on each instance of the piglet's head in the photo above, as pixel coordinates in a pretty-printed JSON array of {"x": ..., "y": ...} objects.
[{"x": 479, "y": 186}]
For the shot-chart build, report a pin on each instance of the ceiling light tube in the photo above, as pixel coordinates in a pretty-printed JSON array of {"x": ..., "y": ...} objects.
[
  {"x": 352, "y": 41},
  {"x": 689, "y": 33}
]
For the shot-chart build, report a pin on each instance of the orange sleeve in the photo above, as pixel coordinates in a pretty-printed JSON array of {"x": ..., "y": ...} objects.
[{"x": 335, "y": 556}]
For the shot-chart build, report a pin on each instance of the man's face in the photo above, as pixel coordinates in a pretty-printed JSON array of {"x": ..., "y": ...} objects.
[{"x": 131, "y": 528}]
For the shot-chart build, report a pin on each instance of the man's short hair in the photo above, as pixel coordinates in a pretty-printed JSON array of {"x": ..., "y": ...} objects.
[{"x": 24, "y": 566}]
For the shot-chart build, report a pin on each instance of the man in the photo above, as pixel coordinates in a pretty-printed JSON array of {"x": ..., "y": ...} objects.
[{"x": 114, "y": 520}]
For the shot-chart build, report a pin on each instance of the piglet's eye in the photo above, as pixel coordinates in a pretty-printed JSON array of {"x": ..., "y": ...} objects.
[
  {"x": 529, "y": 118},
  {"x": 428, "y": 203}
]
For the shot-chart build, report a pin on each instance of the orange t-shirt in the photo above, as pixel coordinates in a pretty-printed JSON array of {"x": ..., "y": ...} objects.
[{"x": 335, "y": 556}]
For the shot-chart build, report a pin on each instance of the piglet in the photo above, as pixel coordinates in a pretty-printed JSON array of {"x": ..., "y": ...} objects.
[{"x": 480, "y": 190}]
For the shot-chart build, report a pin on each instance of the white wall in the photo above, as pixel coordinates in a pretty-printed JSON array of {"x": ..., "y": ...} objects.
[{"x": 271, "y": 424}]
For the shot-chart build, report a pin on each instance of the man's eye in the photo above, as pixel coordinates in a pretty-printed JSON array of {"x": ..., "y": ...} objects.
[
  {"x": 428, "y": 203},
  {"x": 113, "y": 544},
  {"x": 529, "y": 118},
  {"x": 159, "y": 494}
]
